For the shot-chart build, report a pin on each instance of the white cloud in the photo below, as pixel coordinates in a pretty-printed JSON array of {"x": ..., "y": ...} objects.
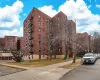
[
  {"x": 98, "y": 6},
  {"x": 24, "y": 14},
  {"x": 85, "y": 19},
  {"x": 9, "y": 15},
  {"x": 20, "y": 32},
  {"x": 14, "y": 32},
  {"x": 89, "y": 6},
  {"x": 48, "y": 10},
  {"x": 8, "y": 33}
]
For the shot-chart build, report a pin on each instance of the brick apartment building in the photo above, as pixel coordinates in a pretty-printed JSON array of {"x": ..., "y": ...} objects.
[
  {"x": 10, "y": 42},
  {"x": 62, "y": 33},
  {"x": 22, "y": 43},
  {"x": 41, "y": 31},
  {"x": 83, "y": 41},
  {"x": 2, "y": 43},
  {"x": 7, "y": 43}
]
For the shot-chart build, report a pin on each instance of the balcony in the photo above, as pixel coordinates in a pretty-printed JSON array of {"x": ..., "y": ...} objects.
[
  {"x": 30, "y": 25},
  {"x": 31, "y": 43},
  {"x": 30, "y": 51},
  {"x": 30, "y": 31},
  {"x": 30, "y": 38}
]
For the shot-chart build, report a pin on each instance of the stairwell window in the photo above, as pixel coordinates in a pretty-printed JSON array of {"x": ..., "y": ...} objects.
[
  {"x": 39, "y": 29},
  {"x": 39, "y": 16},
  {"x": 39, "y": 42},
  {"x": 39, "y": 23}
]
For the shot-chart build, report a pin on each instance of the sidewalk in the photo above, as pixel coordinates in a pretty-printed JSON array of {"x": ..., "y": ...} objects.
[{"x": 51, "y": 72}]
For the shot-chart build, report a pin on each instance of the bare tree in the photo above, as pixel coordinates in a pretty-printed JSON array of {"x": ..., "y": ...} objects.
[
  {"x": 96, "y": 42},
  {"x": 17, "y": 55}
]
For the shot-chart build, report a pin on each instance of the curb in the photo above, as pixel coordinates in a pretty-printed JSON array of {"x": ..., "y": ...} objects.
[{"x": 13, "y": 66}]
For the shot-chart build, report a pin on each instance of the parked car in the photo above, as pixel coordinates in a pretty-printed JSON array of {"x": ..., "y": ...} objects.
[
  {"x": 98, "y": 55},
  {"x": 89, "y": 58}
]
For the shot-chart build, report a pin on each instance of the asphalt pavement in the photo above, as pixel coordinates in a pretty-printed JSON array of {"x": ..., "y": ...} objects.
[
  {"x": 84, "y": 72},
  {"x": 8, "y": 70}
]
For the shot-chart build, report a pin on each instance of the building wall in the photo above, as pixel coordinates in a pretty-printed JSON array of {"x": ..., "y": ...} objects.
[
  {"x": 2, "y": 43},
  {"x": 83, "y": 41},
  {"x": 10, "y": 42},
  {"x": 41, "y": 25},
  {"x": 59, "y": 32},
  {"x": 22, "y": 43},
  {"x": 39, "y": 37}
]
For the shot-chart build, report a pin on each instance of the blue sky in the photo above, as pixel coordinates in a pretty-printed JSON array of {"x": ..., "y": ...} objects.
[{"x": 13, "y": 12}]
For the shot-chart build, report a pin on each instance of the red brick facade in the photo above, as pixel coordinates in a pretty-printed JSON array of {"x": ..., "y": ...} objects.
[
  {"x": 22, "y": 43},
  {"x": 35, "y": 32},
  {"x": 11, "y": 42},
  {"x": 37, "y": 27},
  {"x": 83, "y": 41},
  {"x": 2, "y": 43}
]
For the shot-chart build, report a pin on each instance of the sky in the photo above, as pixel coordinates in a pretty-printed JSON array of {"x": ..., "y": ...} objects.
[{"x": 86, "y": 14}]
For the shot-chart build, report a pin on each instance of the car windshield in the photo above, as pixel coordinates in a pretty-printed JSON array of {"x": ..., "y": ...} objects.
[{"x": 88, "y": 55}]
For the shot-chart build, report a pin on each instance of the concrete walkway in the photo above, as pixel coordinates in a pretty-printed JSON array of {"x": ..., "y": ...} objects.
[{"x": 51, "y": 72}]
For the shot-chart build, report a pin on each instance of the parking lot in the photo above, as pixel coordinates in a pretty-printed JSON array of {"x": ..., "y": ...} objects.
[{"x": 8, "y": 70}]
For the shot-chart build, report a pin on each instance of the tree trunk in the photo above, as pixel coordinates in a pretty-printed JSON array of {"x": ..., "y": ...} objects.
[
  {"x": 40, "y": 56},
  {"x": 32, "y": 56},
  {"x": 55, "y": 55},
  {"x": 74, "y": 58}
]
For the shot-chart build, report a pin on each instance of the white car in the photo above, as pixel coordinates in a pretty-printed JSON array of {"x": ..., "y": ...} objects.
[
  {"x": 89, "y": 58},
  {"x": 98, "y": 55}
]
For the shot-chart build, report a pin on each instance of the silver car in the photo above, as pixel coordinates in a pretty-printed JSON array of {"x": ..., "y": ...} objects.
[{"x": 89, "y": 58}]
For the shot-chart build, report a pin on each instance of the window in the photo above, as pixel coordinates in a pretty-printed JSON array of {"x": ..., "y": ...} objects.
[
  {"x": 26, "y": 45},
  {"x": 58, "y": 24},
  {"x": 39, "y": 16},
  {"x": 39, "y": 29},
  {"x": 39, "y": 36},
  {"x": 39, "y": 42},
  {"x": 39, "y": 23},
  {"x": 39, "y": 50}
]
